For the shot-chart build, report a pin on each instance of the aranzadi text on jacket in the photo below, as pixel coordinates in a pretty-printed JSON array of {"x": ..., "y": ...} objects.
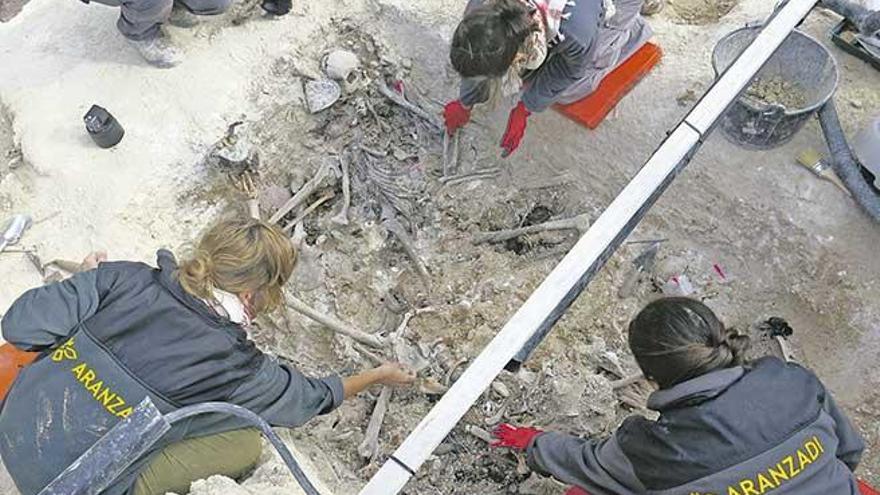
[
  {"x": 786, "y": 469},
  {"x": 90, "y": 380}
]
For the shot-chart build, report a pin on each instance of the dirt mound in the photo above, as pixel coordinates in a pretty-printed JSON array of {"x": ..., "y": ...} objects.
[{"x": 699, "y": 12}]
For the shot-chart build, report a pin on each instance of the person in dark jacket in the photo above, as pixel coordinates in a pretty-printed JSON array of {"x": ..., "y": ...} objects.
[
  {"x": 549, "y": 51},
  {"x": 114, "y": 335},
  {"x": 726, "y": 427}
]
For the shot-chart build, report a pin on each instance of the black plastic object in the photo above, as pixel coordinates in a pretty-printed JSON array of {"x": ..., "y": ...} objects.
[
  {"x": 277, "y": 7},
  {"x": 777, "y": 327},
  {"x": 846, "y": 30},
  {"x": 800, "y": 60},
  {"x": 103, "y": 127},
  {"x": 866, "y": 21},
  {"x": 845, "y": 164}
]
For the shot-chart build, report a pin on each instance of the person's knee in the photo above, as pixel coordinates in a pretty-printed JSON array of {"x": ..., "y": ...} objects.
[
  {"x": 250, "y": 448},
  {"x": 147, "y": 10},
  {"x": 207, "y": 7}
]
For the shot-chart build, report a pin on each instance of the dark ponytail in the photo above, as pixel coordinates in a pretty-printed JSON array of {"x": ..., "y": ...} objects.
[
  {"x": 675, "y": 339},
  {"x": 489, "y": 37}
]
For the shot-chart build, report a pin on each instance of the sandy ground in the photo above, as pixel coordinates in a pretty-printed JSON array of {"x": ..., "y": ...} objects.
[{"x": 788, "y": 245}]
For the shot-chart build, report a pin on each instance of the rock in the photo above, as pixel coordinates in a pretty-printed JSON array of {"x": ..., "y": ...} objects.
[
  {"x": 339, "y": 64},
  {"x": 322, "y": 94},
  {"x": 235, "y": 153},
  {"x": 218, "y": 484},
  {"x": 501, "y": 389}
]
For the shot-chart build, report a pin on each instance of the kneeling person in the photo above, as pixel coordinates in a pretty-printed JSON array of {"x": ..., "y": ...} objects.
[
  {"x": 552, "y": 51},
  {"x": 111, "y": 336},
  {"x": 725, "y": 426}
]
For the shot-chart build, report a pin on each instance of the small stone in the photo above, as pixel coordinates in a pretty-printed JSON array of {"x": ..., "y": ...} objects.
[
  {"x": 856, "y": 104},
  {"x": 501, "y": 389},
  {"x": 444, "y": 449},
  {"x": 321, "y": 95},
  {"x": 339, "y": 64}
]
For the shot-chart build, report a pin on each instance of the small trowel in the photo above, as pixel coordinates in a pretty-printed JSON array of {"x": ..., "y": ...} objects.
[
  {"x": 643, "y": 263},
  {"x": 14, "y": 230}
]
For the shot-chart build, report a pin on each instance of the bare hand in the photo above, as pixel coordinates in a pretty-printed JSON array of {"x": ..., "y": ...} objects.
[
  {"x": 92, "y": 261},
  {"x": 396, "y": 374}
]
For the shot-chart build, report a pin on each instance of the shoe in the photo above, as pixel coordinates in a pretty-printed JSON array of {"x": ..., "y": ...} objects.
[
  {"x": 652, "y": 7},
  {"x": 158, "y": 51},
  {"x": 183, "y": 18}
]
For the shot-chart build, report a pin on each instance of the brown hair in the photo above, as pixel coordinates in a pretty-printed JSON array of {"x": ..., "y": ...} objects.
[
  {"x": 240, "y": 255},
  {"x": 675, "y": 339},
  {"x": 489, "y": 37}
]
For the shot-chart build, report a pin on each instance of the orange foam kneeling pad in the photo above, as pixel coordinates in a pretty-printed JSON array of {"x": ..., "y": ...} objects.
[
  {"x": 12, "y": 361},
  {"x": 592, "y": 109}
]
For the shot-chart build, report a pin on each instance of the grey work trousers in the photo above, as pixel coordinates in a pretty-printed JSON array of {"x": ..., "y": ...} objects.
[
  {"x": 618, "y": 39},
  {"x": 140, "y": 19}
]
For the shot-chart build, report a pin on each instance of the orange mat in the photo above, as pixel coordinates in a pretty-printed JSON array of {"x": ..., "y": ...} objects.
[
  {"x": 591, "y": 110},
  {"x": 12, "y": 361}
]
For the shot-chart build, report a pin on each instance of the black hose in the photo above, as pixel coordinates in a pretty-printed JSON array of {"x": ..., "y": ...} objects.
[
  {"x": 250, "y": 417},
  {"x": 845, "y": 164},
  {"x": 866, "y": 20}
]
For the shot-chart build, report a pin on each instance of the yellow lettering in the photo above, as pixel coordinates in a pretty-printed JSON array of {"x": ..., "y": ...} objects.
[
  {"x": 803, "y": 459},
  {"x": 105, "y": 397},
  {"x": 116, "y": 403},
  {"x": 87, "y": 378},
  {"x": 732, "y": 491},
  {"x": 764, "y": 484},
  {"x": 813, "y": 450},
  {"x": 789, "y": 461},
  {"x": 777, "y": 474},
  {"x": 125, "y": 412},
  {"x": 748, "y": 487},
  {"x": 94, "y": 389},
  {"x": 78, "y": 370},
  {"x": 819, "y": 444}
]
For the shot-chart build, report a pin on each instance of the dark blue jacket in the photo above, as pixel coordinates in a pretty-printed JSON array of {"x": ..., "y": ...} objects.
[
  {"x": 770, "y": 427},
  {"x": 112, "y": 336},
  {"x": 567, "y": 61}
]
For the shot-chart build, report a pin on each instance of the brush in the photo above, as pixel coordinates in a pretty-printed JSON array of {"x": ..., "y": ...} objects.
[{"x": 813, "y": 161}]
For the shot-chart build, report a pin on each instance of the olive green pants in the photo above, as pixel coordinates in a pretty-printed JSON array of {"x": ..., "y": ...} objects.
[{"x": 232, "y": 454}]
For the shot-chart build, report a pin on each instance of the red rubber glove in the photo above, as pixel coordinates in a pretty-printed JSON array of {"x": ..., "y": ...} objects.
[
  {"x": 516, "y": 129},
  {"x": 515, "y": 437},
  {"x": 576, "y": 491},
  {"x": 866, "y": 489},
  {"x": 456, "y": 116}
]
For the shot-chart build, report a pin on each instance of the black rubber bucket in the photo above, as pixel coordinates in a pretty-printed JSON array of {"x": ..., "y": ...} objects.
[{"x": 801, "y": 62}]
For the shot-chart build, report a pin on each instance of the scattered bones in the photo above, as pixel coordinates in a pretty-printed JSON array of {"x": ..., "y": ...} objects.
[{"x": 579, "y": 223}]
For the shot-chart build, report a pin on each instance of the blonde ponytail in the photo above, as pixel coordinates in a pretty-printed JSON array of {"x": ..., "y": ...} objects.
[{"x": 237, "y": 256}]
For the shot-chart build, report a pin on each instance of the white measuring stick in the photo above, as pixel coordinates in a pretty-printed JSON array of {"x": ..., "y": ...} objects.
[{"x": 571, "y": 275}]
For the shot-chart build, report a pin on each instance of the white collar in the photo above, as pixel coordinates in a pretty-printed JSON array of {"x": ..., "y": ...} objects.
[{"x": 231, "y": 305}]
